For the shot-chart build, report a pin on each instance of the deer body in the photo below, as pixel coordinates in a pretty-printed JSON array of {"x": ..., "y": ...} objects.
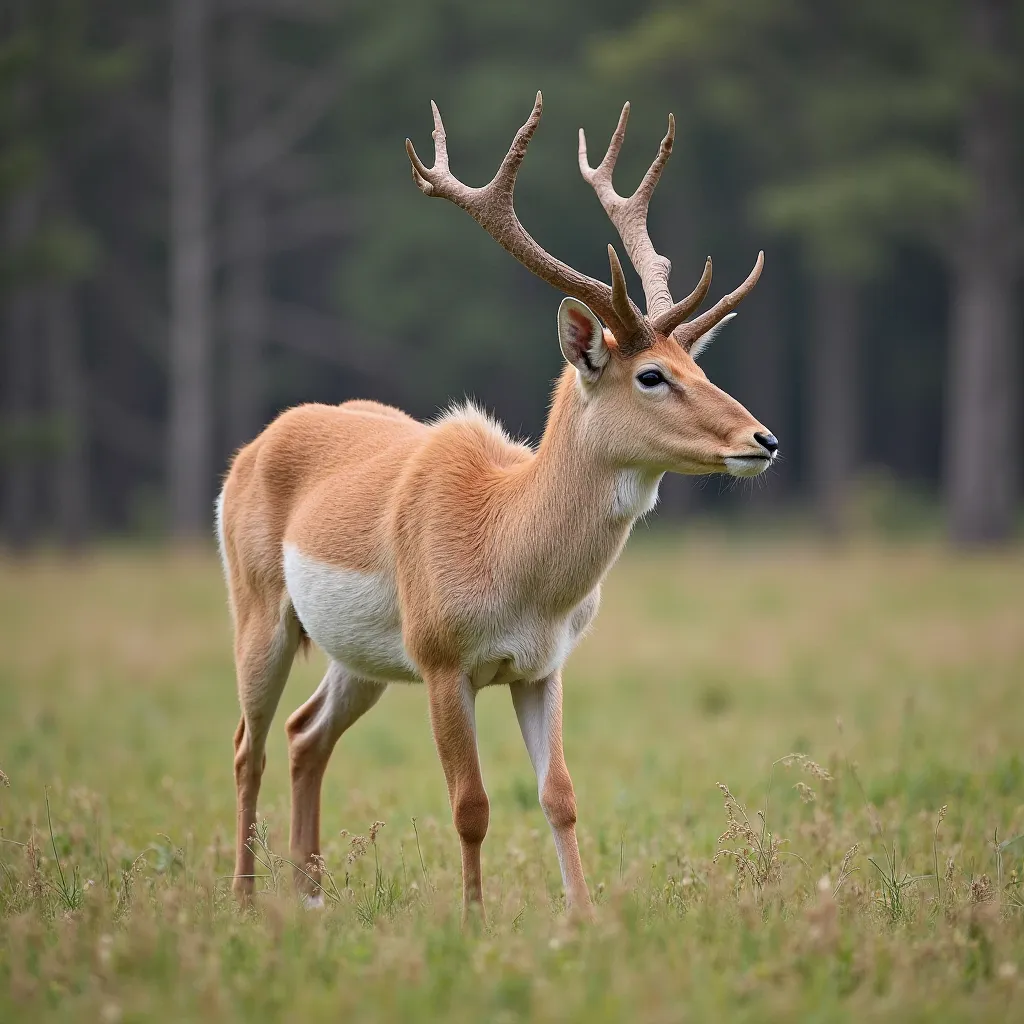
[
  {"x": 447, "y": 554},
  {"x": 463, "y": 496}
]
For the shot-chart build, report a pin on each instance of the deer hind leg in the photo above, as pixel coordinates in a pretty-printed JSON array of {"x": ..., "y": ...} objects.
[
  {"x": 340, "y": 700},
  {"x": 539, "y": 710},
  {"x": 453, "y": 720},
  {"x": 265, "y": 644}
]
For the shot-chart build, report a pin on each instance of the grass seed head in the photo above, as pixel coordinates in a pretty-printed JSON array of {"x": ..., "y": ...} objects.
[
  {"x": 804, "y": 763},
  {"x": 358, "y": 845},
  {"x": 981, "y": 889},
  {"x": 806, "y": 794},
  {"x": 845, "y": 870}
]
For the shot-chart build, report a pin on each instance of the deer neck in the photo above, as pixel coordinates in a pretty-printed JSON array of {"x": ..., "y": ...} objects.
[{"x": 571, "y": 508}]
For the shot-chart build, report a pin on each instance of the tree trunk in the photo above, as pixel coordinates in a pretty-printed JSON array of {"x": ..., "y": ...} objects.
[
  {"x": 245, "y": 316},
  {"x": 69, "y": 467},
  {"x": 189, "y": 429},
  {"x": 245, "y": 300},
  {"x": 16, "y": 451},
  {"x": 983, "y": 446},
  {"x": 834, "y": 435}
]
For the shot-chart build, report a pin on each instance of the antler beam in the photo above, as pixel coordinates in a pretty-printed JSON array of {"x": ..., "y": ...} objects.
[{"x": 492, "y": 208}]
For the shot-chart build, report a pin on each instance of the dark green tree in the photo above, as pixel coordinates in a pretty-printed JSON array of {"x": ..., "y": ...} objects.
[
  {"x": 56, "y": 73},
  {"x": 983, "y": 441},
  {"x": 842, "y": 116}
]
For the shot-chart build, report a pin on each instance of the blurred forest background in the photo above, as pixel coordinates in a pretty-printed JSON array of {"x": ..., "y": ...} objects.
[{"x": 207, "y": 215}]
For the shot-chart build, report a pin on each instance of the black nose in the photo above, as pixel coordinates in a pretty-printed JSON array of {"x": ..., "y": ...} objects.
[{"x": 767, "y": 441}]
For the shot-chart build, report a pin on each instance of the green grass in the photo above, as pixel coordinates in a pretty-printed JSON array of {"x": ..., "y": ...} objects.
[{"x": 897, "y": 670}]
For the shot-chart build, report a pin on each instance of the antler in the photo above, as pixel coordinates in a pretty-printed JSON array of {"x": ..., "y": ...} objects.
[
  {"x": 630, "y": 216},
  {"x": 630, "y": 219},
  {"x": 688, "y": 333},
  {"x": 492, "y": 207}
]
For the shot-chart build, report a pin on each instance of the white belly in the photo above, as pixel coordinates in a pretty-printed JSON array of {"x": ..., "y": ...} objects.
[
  {"x": 355, "y": 619},
  {"x": 529, "y": 647},
  {"x": 352, "y": 616}
]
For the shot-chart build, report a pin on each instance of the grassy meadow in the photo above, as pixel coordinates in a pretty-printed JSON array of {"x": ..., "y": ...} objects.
[{"x": 884, "y": 882}]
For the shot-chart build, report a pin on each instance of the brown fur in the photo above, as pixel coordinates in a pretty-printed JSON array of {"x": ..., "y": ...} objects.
[{"x": 472, "y": 528}]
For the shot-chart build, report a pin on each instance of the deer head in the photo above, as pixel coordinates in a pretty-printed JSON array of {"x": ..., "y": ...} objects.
[{"x": 647, "y": 402}]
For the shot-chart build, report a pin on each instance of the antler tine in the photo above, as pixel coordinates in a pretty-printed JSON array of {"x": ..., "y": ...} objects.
[
  {"x": 688, "y": 333},
  {"x": 653, "y": 175},
  {"x": 602, "y": 173},
  {"x": 630, "y": 215},
  {"x": 681, "y": 310},
  {"x": 492, "y": 207},
  {"x": 509, "y": 167},
  {"x": 424, "y": 176},
  {"x": 621, "y": 301}
]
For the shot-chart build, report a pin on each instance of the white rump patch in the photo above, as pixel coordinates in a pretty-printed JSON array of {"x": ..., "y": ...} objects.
[{"x": 218, "y": 519}]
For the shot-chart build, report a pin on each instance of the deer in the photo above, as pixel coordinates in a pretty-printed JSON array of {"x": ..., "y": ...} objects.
[{"x": 445, "y": 553}]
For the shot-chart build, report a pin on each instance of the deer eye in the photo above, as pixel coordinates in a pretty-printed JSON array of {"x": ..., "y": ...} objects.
[{"x": 650, "y": 378}]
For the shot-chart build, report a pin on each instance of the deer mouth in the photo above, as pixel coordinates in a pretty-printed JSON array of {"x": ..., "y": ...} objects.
[{"x": 747, "y": 465}]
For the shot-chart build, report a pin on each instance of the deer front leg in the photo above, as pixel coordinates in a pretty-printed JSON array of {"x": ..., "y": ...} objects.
[
  {"x": 539, "y": 710},
  {"x": 453, "y": 720}
]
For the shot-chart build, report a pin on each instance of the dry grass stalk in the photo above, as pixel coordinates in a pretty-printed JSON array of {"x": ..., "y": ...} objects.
[
  {"x": 845, "y": 869},
  {"x": 757, "y": 855}
]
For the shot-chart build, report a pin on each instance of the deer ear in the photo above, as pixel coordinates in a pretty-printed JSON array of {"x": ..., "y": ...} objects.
[
  {"x": 581, "y": 338},
  {"x": 703, "y": 343}
]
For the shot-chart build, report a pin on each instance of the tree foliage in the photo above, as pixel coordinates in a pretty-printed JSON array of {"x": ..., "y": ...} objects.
[{"x": 831, "y": 134}]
